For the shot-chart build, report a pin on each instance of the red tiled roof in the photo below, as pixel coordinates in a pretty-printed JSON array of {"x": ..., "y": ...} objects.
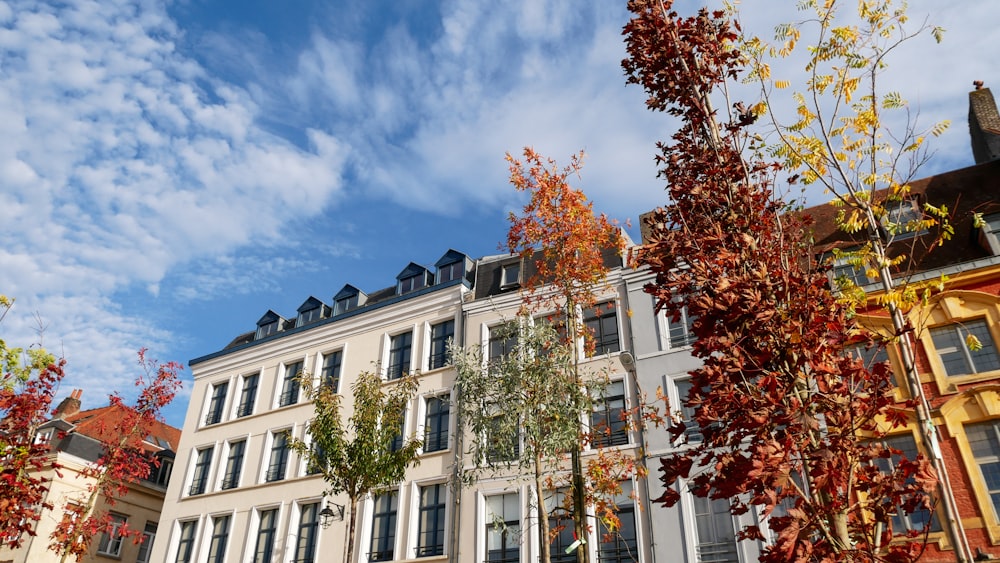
[{"x": 91, "y": 422}]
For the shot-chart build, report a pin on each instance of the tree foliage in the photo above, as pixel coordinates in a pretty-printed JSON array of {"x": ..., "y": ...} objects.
[
  {"x": 123, "y": 463},
  {"x": 521, "y": 410},
  {"x": 30, "y": 378},
  {"x": 782, "y": 410},
  {"x": 357, "y": 456}
]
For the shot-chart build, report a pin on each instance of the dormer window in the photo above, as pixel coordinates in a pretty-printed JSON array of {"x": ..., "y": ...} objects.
[
  {"x": 511, "y": 275},
  {"x": 412, "y": 283},
  {"x": 268, "y": 325},
  {"x": 451, "y": 272},
  {"x": 900, "y": 217},
  {"x": 989, "y": 234},
  {"x": 452, "y": 266},
  {"x": 310, "y": 312},
  {"x": 345, "y": 304},
  {"x": 348, "y": 299},
  {"x": 412, "y": 278}
]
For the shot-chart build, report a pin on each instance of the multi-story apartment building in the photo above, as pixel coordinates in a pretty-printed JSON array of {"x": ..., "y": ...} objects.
[
  {"x": 74, "y": 438},
  {"x": 242, "y": 495}
]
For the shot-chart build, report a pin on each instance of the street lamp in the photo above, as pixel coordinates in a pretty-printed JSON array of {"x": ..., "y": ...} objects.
[{"x": 328, "y": 515}]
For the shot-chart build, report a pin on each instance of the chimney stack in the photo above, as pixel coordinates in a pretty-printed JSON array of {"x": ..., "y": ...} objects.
[
  {"x": 984, "y": 124},
  {"x": 70, "y": 405}
]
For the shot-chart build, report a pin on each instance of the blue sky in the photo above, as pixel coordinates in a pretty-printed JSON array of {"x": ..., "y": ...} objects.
[{"x": 171, "y": 171}]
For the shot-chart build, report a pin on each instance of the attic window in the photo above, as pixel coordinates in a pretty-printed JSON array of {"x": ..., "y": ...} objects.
[
  {"x": 345, "y": 304},
  {"x": 267, "y": 329},
  {"x": 412, "y": 283},
  {"x": 310, "y": 315},
  {"x": 450, "y": 272},
  {"x": 899, "y": 215},
  {"x": 989, "y": 234},
  {"x": 511, "y": 275}
]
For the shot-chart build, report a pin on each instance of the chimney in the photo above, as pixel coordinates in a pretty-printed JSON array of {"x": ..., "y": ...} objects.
[
  {"x": 70, "y": 405},
  {"x": 984, "y": 124}
]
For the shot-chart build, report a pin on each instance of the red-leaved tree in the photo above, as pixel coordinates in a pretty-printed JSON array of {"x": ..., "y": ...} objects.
[
  {"x": 123, "y": 463},
  {"x": 785, "y": 416},
  {"x": 29, "y": 379}
]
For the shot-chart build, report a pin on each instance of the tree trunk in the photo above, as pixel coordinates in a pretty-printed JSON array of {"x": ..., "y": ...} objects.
[
  {"x": 349, "y": 548},
  {"x": 543, "y": 515}
]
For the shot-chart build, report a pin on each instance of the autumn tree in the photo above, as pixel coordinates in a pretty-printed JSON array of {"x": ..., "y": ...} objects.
[
  {"x": 124, "y": 461},
  {"x": 781, "y": 409},
  {"x": 30, "y": 378},
  {"x": 366, "y": 454},
  {"x": 559, "y": 235},
  {"x": 521, "y": 410}
]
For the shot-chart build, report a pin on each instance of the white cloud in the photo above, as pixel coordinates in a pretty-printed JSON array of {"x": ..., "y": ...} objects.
[{"x": 122, "y": 159}]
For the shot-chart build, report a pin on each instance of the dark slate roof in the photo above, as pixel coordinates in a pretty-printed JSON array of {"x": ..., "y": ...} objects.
[{"x": 963, "y": 192}]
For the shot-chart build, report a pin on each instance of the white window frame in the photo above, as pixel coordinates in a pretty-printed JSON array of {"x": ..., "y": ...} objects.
[
  {"x": 193, "y": 462},
  {"x": 422, "y": 418},
  {"x": 279, "y": 382},
  {"x": 526, "y": 540},
  {"x": 387, "y": 347},
  {"x": 224, "y": 462},
  {"x": 118, "y": 520},
  {"x": 265, "y": 461},
  {"x": 413, "y": 532}
]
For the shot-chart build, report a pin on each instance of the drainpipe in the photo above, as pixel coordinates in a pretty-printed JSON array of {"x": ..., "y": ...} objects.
[{"x": 456, "y": 474}]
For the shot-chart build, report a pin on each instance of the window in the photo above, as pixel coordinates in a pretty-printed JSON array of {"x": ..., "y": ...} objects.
[
  {"x": 267, "y": 329},
  {"x": 503, "y": 529},
  {"x": 305, "y": 542},
  {"x": 436, "y": 424},
  {"x": 318, "y": 454},
  {"x": 248, "y": 395},
  {"x": 383, "y": 528},
  {"x": 452, "y": 271},
  {"x": 500, "y": 448},
  {"x": 899, "y": 220},
  {"x": 185, "y": 545},
  {"x": 870, "y": 355},
  {"x": 412, "y": 283},
  {"x": 503, "y": 340},
  {"x": 218, "y": 401},
  {"x": 441, "y": 334},
  {"x": 162, "y": 473},
  {"x": 844, "y": 269},
  {"x": 430, "y": 533},
  {"x": 310, "y": 315},
  {"x": 279, "y": 456},
  {"x": 397, "y": 440},
  {"x": 958, "y": 359},
  {"x": 146, "y": 547},
  {"x": 990, "y": 236},
  {"x": 602, "y": 325},
  {"x": 562, "y": 527},
  {"x": 330, "y": 375},
  {"x": 679, "y": 331},
  {"x": 290, "y": 385},
  {"x": 902, "y": 522},
  {"x": 220, "y": 532},
  {"x": 620, "y": 545},
  {"x": 714, "y": 531},
  {"x": 510, "y": 275},
  {"x": 345, "y": 304},
  {"x": 201, "y": 466},
  {"x": 693, "y": 431},
  {"x": 268, "y": 527},
  {"x": 607, "y": 421},
  {"x": 234, "y": 464},
  {"x": 111, "y": 542},
  {"x": 399, "y": 355},
  {"x": 984, "y": 441}
]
